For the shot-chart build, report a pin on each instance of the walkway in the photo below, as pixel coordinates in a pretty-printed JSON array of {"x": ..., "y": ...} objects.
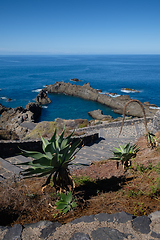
[{"x": 99, "y": 150}]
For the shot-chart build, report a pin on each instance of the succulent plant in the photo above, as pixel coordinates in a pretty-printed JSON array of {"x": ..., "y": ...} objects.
[
  {"x": 59, "y": 152},
  {"x": 125, "y": 154}
]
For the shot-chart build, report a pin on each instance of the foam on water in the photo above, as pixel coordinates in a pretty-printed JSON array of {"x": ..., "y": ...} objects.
[
  {"x": 37, "y": 90},
  {"x": 154, "y": 107},
  {"x": 128, "y": 91}
]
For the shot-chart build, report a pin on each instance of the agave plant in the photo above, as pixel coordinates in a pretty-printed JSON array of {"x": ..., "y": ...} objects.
[
  {"x": 151, "y": 139},
  {"x": 59, "y": 153},
  {"x": 125, "y": 154}
]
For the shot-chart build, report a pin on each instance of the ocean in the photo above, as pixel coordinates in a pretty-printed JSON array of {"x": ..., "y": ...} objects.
[{"x": 22, "y": 77}]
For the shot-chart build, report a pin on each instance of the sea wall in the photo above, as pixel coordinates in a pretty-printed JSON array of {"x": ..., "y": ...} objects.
[{"x": 88, "y": 93}]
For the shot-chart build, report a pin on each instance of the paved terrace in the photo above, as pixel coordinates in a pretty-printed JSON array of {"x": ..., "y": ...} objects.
[{"x": 97, "y": 151}]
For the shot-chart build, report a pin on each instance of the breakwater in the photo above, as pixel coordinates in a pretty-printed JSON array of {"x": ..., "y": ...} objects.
[{"x": 88, "y": 93}]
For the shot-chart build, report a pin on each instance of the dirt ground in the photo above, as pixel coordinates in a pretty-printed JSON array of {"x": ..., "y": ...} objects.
[{"x": 99, "y": 188}]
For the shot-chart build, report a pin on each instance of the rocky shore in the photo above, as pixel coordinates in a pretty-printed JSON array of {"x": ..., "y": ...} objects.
[{"x": 88, "y": 93}]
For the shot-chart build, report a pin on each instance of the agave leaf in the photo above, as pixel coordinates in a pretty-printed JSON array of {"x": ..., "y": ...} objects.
[
  {"x": 44, "y": 143},
  {"x": 121, "y": 148},
  {"x": 118, "y": 149},
  {"x": 118, "y": 154},
  {"x": 32, "y": 154},
  {"x": 50, "y": 150},
  {"x": 127, "y": 147},
  {"x": 42, "y": 161},
  {"x": 32, "y": 171},
  {"x": 73, "y": 150},
  {"x": 64, "y": 144},
  {"x": 61, "y": 136},
  {"x": 53, "y": 138}
]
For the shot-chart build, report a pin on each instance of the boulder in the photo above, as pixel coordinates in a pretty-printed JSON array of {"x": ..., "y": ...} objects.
[
  {"x": 42, "y": 98},
  {"x": 98, "y": 114}
]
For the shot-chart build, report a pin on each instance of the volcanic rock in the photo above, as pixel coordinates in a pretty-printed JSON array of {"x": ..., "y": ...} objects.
[
  {"x": 8, "y": 135},
  {"x": 35, "y": 109},
  {"x": 88, "y": 93},
  {"x": 98, "y": 114},
  {"x": 2, "y": 109},
  {"x": 42, "y": 98},
  {"x": 75, "y": 80}
]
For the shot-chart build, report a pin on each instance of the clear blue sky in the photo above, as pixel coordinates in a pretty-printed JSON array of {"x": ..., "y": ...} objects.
[{"x": 80, "y": 26}]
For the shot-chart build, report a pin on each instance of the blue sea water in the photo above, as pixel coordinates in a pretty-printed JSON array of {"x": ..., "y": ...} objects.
[{"x": 21, "y": 77}]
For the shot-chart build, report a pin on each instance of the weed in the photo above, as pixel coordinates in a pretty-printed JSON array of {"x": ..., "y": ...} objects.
[
  {"x": 139, "y": 209},
  {"x": 81, "y": 180},
  {"x": 66, "y": 203}
]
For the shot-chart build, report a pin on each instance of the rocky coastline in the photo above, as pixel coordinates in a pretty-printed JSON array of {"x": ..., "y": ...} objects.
[
  {"x": 88, "y": 93},
  {"x": 16, "y": 123}
]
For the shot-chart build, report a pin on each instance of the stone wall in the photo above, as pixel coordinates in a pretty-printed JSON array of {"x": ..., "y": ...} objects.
[{"x": 11, "y": 148}]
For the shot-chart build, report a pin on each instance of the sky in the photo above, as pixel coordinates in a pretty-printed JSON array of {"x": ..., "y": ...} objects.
[{"x": 79, "y": 27}]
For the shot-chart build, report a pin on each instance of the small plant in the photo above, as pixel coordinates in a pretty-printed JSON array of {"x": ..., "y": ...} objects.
[
  {"x": 156, "y": 188},
  {"x": 66, "y": 203},
  {"x": 151, "y": 140},
  {"x": 125, "y": 154},
  {"x": 141, "y": 168},
  {"x": 59, "y": 152}
]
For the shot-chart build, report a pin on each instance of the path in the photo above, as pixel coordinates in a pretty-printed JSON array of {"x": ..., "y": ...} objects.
[{"x": 99, "y": 150}]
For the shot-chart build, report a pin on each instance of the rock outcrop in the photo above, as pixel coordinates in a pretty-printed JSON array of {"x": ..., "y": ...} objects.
[
  {"x": 47, "y": 129},
  {"x": 2, "y": 109},
  {"x": 75, "y": 80},
  {"x": 42, "y": 98},
  {"x": 88, "y": 93},
  {"x": 35, "y": 108},
  {"x": 13, "y": 119},
  {"x": 98, "y": 114},
  {"x": 8, "y": 135}
]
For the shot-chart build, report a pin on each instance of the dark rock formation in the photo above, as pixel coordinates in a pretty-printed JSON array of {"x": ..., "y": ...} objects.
[
  {"x": 98, "y": 114},
  {"x": 42, "y": 98},
  {"x": 88, "y": 93},
  {"x": 8, "y": 135},
  {"x": 130, "y": 90},
  {"x": 2, "y": 109},
  {"x": 14, "y": 119},
  {"x": 75, "y": 80},
  {"x": 35, "y": 109}
]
